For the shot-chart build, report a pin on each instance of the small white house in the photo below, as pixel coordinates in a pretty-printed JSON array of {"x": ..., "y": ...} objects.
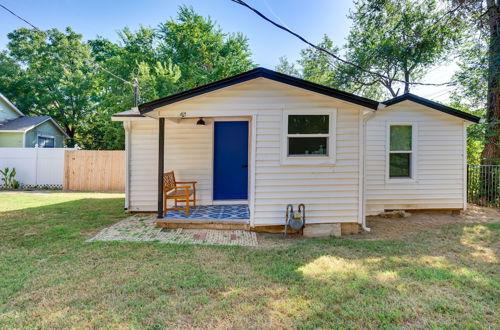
[{"x": 264, "y": 140}]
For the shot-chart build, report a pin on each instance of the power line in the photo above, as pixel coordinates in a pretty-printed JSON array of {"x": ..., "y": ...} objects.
[
  {"x": 95, "y": 64},
  {"x": 336, "y": 57}
]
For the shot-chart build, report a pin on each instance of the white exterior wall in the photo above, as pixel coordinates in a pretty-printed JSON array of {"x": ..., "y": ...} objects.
[
  {"x": 143, "y": 155},
  {"x": 330, "y": 192},
  {"x": 440, "y": 153},
  {"x": 188, "y": 152}
]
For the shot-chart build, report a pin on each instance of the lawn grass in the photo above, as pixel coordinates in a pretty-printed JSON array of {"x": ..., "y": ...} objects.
[{"x": 49, "y": 276}]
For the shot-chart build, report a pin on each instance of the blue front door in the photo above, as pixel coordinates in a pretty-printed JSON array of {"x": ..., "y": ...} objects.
[{"x": 230, "y": 160}]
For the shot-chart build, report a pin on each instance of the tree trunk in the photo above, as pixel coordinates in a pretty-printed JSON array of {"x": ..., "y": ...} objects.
[
  {"x": 71, "y": 133},
  {"x": 491, "y": 152},
  {"x": 407, "y": 82}
]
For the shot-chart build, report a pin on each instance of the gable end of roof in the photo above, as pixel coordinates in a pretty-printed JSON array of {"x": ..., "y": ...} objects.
[
  {"x": 26, "y": 123},
  {"x": 11, "y": 105},
  {"x": 433, "y": 105}
]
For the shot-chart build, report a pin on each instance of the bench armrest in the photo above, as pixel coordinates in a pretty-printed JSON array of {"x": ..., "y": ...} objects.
[{"x": 183, "y": 187}]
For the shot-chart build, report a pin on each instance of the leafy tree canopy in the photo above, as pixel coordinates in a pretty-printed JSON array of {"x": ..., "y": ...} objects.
[
  {"x": 398, "y": 39},
  {"x": 50, "y": 72}
]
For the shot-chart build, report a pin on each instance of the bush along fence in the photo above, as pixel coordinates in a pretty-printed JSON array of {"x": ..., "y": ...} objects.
[{"x": 483, "y": 185}]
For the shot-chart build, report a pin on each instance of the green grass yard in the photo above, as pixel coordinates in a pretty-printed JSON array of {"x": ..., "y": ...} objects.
[{"x": 49, "y": 276}]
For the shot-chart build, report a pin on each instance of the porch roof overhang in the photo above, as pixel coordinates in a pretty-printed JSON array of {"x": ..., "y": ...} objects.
[{"x": 253, "y": 74}]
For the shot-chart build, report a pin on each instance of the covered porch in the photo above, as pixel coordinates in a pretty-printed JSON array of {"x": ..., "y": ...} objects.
[
  {"x": 213, "y": 153},
  {"x": 236, "y": 216}
]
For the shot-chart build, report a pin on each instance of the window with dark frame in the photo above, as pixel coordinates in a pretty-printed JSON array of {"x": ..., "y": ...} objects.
[
  {"x": 400, "y": 151},
  {"x": 46, "y": 142},
  {"x": 308, "y": 135}
]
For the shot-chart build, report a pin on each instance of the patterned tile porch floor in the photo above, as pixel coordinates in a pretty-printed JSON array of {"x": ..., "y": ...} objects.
[
  {"x": 213, "y": 212},
  {"x": 139, "y": 228}
]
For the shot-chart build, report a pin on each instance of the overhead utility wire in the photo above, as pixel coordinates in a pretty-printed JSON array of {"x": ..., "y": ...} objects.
[
  {"x": 338, "y": 58},
  {"x": 95, "y": 64}
]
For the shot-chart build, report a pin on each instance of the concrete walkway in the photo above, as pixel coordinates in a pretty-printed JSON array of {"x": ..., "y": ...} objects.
[{"x": 139, "y": 228}]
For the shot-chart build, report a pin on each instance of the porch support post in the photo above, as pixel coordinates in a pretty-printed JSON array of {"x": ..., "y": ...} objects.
[{"x": 161, "y": 153}]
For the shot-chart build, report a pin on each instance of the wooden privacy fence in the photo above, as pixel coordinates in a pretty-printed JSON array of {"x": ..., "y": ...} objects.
[{"x": 95, "y": 170}]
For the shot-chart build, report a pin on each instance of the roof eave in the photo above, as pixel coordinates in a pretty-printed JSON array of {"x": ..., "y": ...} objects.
[
  {"x": 54, "y": 123},
  {"x": 11, "y": 105},
  {"x": 433, "y": 105},
  {"x": 253, "y": 74},
  {"x": 58, "y": 127}
]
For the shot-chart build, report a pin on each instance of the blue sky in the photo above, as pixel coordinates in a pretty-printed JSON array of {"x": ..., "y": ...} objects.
[
  {"x": 310, "y": 18},
  {"x": 92, "y": 18}
]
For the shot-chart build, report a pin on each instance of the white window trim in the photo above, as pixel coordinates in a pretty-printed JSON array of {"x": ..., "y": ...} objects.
[
  {"x": 309, "y": 160},
  {"x": 414, "y": 155},
  {"x": 45, "y": 137}
]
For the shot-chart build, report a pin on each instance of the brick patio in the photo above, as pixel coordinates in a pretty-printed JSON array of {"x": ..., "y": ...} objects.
[{"x": 139, "y": 228}]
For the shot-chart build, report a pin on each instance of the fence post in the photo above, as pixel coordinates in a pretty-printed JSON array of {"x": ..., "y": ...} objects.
[{"x": 36, "y": 165}]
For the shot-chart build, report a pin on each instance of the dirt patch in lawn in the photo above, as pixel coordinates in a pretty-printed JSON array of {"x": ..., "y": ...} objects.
[{"x": 398, "y": 228}]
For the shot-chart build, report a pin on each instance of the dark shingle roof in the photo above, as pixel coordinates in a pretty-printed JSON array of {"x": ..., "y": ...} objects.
[
  {"x": 23, "y": 124},
  {"x": 283, "y": 78}
]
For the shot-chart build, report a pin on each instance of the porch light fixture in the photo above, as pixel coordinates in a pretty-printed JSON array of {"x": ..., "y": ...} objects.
[{"x": 200, "y": 122}]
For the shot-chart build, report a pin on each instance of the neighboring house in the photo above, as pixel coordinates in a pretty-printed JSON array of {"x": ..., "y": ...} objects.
[
  {"x": 20, "y": 131},
  {"x": 270, "y": 139}
]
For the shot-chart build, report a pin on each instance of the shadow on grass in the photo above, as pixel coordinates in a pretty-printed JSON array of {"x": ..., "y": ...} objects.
[
  {"x": 51, "y": 277},
  {"x": 432, "y": 276}
]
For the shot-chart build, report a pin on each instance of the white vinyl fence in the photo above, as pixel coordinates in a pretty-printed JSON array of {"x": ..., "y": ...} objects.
[{"x": 35, "y": 167}]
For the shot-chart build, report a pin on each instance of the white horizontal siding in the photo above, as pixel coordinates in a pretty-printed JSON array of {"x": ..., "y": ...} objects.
[
  {"x": 330, "y": 192},
  {"x": 439, "y": 165},
  {"x": 143, "y": 165},
  {"x": 188, "y": 152}
]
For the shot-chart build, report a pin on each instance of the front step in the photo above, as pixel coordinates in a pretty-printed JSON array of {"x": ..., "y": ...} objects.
[{"x": 225, "y": 224}]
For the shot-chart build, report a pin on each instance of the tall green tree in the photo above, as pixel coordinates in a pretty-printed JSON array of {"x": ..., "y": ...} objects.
[
  {"x": 483, "y": 18},
  {"x": 398, "y": 40},
  {"x": 201, "y": 50},
  {"x": 134, "y": 56},
  {"x": 48, "y": 73},
  {"x": 317, "y": 66},
  {"x": 51, "y": 73},
  {"x": 285, "y": 66},
  {"x": 471, "y": 89}
]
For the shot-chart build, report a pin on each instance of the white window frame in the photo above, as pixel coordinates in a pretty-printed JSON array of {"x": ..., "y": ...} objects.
[
  {"x": 413, "y": 152},
  {"x": 45, "y": 137},
  {"x": 330, "y": 158}
]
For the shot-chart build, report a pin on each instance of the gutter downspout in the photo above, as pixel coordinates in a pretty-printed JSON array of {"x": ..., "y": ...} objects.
[
  {"x": 364, "y": 120},
  {"x": 126, "y": 126}
]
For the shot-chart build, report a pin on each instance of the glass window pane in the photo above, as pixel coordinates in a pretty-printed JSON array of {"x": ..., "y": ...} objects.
[
  {"x": 308, "y": 124},
  {"x": 46, "y": 142},
  {"x": 307, "y": 146},
  {"x": 399, "y": 165},
  {"x": 400, "y": 138}
]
